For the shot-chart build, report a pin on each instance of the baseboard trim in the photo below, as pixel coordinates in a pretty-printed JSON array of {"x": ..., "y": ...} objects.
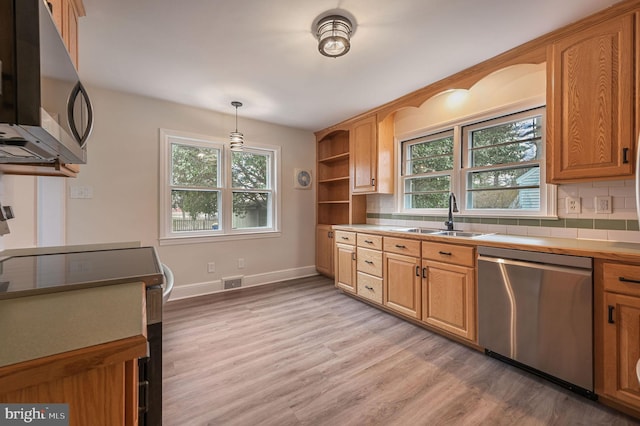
[{"x": 186, "y": 291}]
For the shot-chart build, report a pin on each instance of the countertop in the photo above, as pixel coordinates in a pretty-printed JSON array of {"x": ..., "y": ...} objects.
[
  {"x": 608, "y": 250},
  {"x": 48, "y": 324}
]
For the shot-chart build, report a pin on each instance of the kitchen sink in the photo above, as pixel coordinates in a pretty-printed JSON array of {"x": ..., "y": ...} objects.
[
  {"x": 445, "y": 233},
  {"x": 458, "y": 233}
]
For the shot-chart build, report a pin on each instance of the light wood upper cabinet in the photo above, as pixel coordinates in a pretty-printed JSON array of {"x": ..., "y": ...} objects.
[
  {"x": 591, "y": 126},
  {"x": 65, "y": 15},
  {"x": 372, "y": 155}
]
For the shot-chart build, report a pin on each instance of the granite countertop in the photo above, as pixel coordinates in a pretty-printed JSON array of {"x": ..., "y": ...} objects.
[{"x": 608, "y": 250}]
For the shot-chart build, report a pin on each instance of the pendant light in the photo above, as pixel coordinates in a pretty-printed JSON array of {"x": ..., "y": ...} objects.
[{"x": 236, "y": 138}]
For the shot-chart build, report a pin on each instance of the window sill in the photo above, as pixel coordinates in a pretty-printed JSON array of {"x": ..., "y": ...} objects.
[{"x": 192, "y": 239}]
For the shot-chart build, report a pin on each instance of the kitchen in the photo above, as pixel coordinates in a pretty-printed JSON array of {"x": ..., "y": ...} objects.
[{"x": 120, "y": 194}]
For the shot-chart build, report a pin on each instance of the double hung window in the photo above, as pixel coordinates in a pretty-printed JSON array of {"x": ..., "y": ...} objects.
[
  {"x": 208, "y": 190},
  {"x": 495, "y": 167}
]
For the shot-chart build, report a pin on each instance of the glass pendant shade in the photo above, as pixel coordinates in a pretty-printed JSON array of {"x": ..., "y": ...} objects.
[
  {"x": 334, "y": 34},
  {"x": 236, "y": 139}
]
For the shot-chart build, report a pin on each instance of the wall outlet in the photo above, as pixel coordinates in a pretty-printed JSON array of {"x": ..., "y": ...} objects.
[
  {"x": 573, "y": 204},
  {"x": 603, "y": 204},
  {"x": 211, "y": 267},
  {"x": 240, "y": 263}
]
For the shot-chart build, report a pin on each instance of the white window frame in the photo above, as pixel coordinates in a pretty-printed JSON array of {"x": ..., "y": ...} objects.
[
  {"x": 547, "y": 192},
  {"x": 404, "y": 176},
  {"x": 548, "y": 195},
  {"x": 225, "y": 232}
]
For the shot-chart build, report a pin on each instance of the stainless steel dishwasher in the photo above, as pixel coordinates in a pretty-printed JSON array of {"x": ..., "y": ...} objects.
[{"x": 535, "y": 311}]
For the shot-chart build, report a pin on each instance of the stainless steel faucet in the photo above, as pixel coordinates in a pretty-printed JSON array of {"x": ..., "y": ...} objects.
[{"x": 453, "y": 207}]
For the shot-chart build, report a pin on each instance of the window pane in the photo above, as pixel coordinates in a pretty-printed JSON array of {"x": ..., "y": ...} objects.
[
  {"x": 521, "y": 130},
  {"x": 194, "y": 210},
  {"x": 250, "y": 210},
  {"x": 426, "y": 201},
  {"x": 511, "y": 153},
  {"x": 525, "y": 176},
  {"x": 430, "y": 156},
  {"x": 249, "y": 170},
  {"x": 194, "y": 166},
  {"x": 427, "y": 192},
  {"x": 516, "y": 199}
]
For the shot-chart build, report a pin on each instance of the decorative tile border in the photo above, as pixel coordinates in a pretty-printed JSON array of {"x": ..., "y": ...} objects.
[{"x": 604, "y": 224}]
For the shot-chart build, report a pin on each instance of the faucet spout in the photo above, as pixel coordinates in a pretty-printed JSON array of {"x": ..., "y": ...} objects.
[{"x": 453, "y": 207}]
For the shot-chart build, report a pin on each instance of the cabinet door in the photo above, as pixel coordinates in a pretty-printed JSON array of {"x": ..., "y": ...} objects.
[
  {"x": 448, "y": 298},
  {"x": 590, "y": 110},
  {"x": 621, "y": 347},
  {"x": 324, "y": 250},
  {"x": 345, "y": 262},
  {"x": 364, "y": 143},
  {"x": 401, "y": 277}
]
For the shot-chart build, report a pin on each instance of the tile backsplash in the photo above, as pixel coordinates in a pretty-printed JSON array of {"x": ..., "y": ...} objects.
[{"x": 619, "y": 225}]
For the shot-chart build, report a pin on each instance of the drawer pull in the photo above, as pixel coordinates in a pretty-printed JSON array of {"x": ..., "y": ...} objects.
[
  {"x": 368, "y": 287},
  {"x": 369, "y": 262},
  {"x": 345, "y": 238},
  {"x": 445, "y": 253},
  {"x": 401, "y": 246},
  {"x": 628, "y": 280},
  {"x": 368, "y": 241},
  {"x": 611, "y": 321}
]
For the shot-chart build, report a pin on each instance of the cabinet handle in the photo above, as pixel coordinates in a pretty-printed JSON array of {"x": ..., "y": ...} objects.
[
  {"x": 368, "y": 287},
  {"x": 50, "y": 5},
  {"x": 625, "y": 155},
  {"x": 353, "y": 256},
  {"x": 373, "y": 181},
  {"x": 611, "y": 321},
  {"x": 369, "y": 262},
  {"x": 629, "y": 280},
  {"x": 330, "y": 235},
  {"x": 345, "y": 238},
  {"x": 417, "y": 271},
  {"x": 445, "y": 253},
  {"x": 401, "y": 246},
  {"x": 368, "y": 241},
  {"x": 424, "y": 272}
]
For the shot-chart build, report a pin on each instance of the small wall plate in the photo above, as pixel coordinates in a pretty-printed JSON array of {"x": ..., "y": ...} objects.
[{"x": 302, "y": 179}]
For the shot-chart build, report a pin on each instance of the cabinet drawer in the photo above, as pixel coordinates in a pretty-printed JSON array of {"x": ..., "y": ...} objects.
[
  {"x": 370, "y": 287},
  {"x": 370, "y": 261},
  {"x": 450, "y": 253},
  {"x": 402, "y": 246},
  {"x": 345, "y": 237},
  {"x": 621, "y": 278},
  {"x": 370, "y": 241}
]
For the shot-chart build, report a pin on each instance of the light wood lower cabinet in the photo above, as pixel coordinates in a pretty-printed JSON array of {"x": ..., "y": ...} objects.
[
  {"x": 345, "y": 267},
  {"x": 448, "y": 298},
  {"x": 324, "y": 250},
  {"x": 402, "y": 289},
  {"x": 449, "y": 288},
  {"x": 100, "y": 383},
  {"x": 618, "y": 332}
]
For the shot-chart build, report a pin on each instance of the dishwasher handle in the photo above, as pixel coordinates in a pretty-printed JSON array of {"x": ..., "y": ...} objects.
[{"x": 545, "y": 266}]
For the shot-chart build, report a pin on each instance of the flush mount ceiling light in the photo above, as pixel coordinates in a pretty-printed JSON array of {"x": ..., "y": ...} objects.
[
  {"x": 334, "y": 34},
  {"x": 236, "y": 138}
]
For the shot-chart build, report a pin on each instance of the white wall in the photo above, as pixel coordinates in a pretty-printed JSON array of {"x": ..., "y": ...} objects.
[{"x": 122, "y": 173}]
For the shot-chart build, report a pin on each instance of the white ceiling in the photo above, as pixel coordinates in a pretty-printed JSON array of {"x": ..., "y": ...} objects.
[{"x": 207, "y": 53}]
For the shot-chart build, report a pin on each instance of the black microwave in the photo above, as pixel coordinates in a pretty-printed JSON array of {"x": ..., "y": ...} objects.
[{"x": 45, "y": 112}]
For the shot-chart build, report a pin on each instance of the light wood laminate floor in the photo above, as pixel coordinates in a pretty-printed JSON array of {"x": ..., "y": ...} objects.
[{"x": 302, "y": 353}]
